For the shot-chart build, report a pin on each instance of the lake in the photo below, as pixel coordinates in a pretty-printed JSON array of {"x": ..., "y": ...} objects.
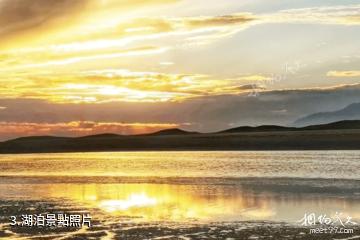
[
  {"x": 302, "y": 164},
  {"x": 190, "y": 193}
]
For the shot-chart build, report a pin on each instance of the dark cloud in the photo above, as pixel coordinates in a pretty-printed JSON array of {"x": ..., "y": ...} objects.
[
  {"x": 21, "y": 16},
  {"x": 249, "y": 87},
  {"x": 220, "y": 20}
]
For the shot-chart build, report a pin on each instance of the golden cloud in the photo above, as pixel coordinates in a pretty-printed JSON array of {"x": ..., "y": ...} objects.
[
  {"x": 140, "y": 29},
  {"x": 58, "y": 70},
  {"x": 343, "y": 74},
  {"x": 115, "y": 85}
]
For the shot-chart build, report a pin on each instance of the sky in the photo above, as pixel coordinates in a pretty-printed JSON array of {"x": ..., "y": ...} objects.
[{"x": 79, "y": 67}]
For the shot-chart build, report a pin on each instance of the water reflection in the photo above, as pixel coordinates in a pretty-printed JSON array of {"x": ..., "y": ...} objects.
[
  {"x": 135, "y": 200},
  {"x": 153, "y": 202}
]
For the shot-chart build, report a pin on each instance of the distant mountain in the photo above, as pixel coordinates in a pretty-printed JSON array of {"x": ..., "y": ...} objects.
[
  {"x": 343, "y": 135},
  {"x": 341, "y": 125},
  {"x": 171, "y": 131},
  {"x": 54, "y": 138},
  {"x": 263, "y": 128},
  {"x": 165, "y": 132},
  {"x": 36, "y": 138},
  {"x": 103, "y": 135},
  {"x": 351, "y": 112}
]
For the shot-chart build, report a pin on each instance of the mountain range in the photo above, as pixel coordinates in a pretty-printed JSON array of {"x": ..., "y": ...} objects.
[
  {"x": 334, "y": 136},
  {"x": 351, "y": 112}
]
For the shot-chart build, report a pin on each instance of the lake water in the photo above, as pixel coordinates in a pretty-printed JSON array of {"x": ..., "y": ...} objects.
[
  {"x": 181, "y": 187},
  {"x": 302, "y": 164}
]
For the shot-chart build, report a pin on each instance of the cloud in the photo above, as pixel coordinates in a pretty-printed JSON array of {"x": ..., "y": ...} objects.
[
  {"x": 18, "y": 17},
  {"x": 21, "y": 17},
  {"x": 234, "y": 90},
  {"x": 219, "y": 21},
  {"x": 140, "y": 29},
  {"x": 114, "y": 85},
  {"x": 98, "y": 39},
  {"x": 342, "y": 15},
  {"x": 185, "y": 25},
  {"x": 141, "y": 51},
  {"x": 216, "y": 27},
  {"x": 343, "y": 74},
  {"x": 255, "y": 78}
]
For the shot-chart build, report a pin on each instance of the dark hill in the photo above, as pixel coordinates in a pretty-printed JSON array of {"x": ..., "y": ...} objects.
[
  {"x": 103, "y": 135},
  {"x": 343, "y": 135},
  {"x": 36, "y": 138},
  {"x": 263, "y": 128},
  {"x": 171, "y": 131},
  {"x": 347, "y": 124}
]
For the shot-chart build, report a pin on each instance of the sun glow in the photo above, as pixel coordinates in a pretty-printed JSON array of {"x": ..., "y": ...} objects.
[
  {"x": 110, "y": 90},
  {"x": 134, "y": 200}
]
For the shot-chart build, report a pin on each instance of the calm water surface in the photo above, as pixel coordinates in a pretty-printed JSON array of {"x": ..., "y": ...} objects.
[{"x": 303, "y": 164}]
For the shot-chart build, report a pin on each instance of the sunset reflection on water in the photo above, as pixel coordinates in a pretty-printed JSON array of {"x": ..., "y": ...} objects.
[{"x": 171, "y": 202}]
